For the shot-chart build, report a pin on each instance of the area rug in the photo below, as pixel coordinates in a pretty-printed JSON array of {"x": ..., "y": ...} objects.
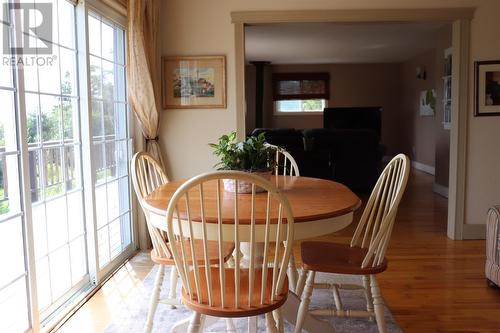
[{"x": 132, "y": 316}]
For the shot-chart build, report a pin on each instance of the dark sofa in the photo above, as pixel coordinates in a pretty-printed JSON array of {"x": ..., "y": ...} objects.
[{"x": 350, "y": 156}]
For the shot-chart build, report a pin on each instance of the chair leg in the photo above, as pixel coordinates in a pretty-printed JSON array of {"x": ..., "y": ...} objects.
[
  {"x": 301, "y": 283},
  {"x": 195, "y": 323},
  {"x": 230, "y": 328},
  {"x": 270, "y": 323},
  {"x": 252, "y": 324},
  {"x": 292, "y": 274},
  {"x": 378, "y": 304},
  {"x": 174, "y": 275},
  {"x": 278, "y": 318},
  {"x": 368, "y": 295},
  {"x": 304, "y": 303},
  {"x": 155, "y": 297}
]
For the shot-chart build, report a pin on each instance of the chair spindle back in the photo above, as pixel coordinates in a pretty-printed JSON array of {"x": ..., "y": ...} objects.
[
  {"x": 238, "y": 216},
  {"x": 375, "y": 226},
  {"x": 147, "y": 175}
]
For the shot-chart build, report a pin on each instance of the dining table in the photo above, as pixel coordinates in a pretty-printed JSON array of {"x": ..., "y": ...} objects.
[{"x": 319, "y": 206}]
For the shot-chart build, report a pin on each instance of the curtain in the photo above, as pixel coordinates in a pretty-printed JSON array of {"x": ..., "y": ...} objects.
[{"x": 143, "y": 79}]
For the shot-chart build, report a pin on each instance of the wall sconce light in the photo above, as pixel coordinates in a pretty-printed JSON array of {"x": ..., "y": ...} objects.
[{"x": 421, "y": 73}]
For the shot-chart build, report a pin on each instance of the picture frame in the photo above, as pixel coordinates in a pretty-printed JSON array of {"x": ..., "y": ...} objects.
[
  {"x": 487, "y": 88},
  {"x": 197, "y": 82}
]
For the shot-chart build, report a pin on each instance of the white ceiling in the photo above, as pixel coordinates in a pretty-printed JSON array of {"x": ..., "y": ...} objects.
[{"x": 312, "y": 43}]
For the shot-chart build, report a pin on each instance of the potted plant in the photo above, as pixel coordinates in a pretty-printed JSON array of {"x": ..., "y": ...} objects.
[{"x": 252, "y": 155}]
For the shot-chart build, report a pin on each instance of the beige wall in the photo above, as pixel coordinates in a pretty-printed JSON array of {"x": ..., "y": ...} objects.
[
  {"x": 417, "y": 133},
  {"x": 192, "y": 27}
]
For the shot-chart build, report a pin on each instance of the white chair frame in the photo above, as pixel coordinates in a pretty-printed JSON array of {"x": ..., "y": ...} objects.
[
  {"x": 147, "y": 175},
  {"x": 279, "y": 236},
  {"x": 373, "y": 232}
]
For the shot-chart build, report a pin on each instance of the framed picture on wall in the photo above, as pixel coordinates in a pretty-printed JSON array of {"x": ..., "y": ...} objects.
[
  {"x": 487, "y": 88},
  {"x": 194, "y": 82}
]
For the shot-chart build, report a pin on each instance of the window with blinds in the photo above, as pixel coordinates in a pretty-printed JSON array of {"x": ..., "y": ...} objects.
[{"x": 301, "y": 92}]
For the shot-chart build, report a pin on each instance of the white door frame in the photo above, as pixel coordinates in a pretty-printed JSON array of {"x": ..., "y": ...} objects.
[{"x": 459, "y": 17}]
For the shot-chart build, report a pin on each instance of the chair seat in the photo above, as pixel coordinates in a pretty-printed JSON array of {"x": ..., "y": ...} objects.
[
  {"x": 230, "y": 310},
  {"x": 336, "y": 258},
  {"x": 199, "y": 250}
]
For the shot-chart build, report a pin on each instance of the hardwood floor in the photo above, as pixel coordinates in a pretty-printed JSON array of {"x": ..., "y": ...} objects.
[{"x": 433, "y": 284}]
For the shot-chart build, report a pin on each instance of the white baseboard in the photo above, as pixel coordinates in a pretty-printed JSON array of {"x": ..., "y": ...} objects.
[
  {"x": 423, "y": 167},
  {"x": 440, "y": 189}
]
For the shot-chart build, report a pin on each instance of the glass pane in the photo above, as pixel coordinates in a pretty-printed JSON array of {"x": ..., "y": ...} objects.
[
  {"x": 14, "y": 307},
  {"x": 122, "y": 156},
  {"x": 107, "y": 41},
  {"x": 30, "y": 78},
  {"x": 75, "y": 215},
  {"x": 60, "y": 275},
  {"x": 121, "y": 120},
  {"x": 98, "y": 158},
  {"x": 94, "y": 36},
  {"x": 66, "y": 23},
  {"x": 35, "y": 172},
  {"x": 78, "y": 260},
  {"x": 8, "y": 138},
  {"x": 108, "y": 81},
  {"x": 97, "y": 122},
  {"x": 121, "y": 91},
  {"x": 54, "y": 19},
  {"x": 49, "y": 74},
  {"x": 4, "y": 190},
  {"x": 123, "y": 196},
  {"x": 125, "y": 227},
  {"x": 72, "y": 176},
  {"x": 5, "y": 72},
  {"x": 109, "y": 119},
  {"x": 120, "y": 47},
  {"x": 115, "y": 238},
  {"x": 68, "y": 72},
  {"x": 103, "y": 246},
  {"x": 39, "y": 230},
  {"x": 110, "y": 160},
  {"x": 11, "y": 250},
  {"x": 100, "y": 206},
  {"x": 57, "y": 227},
  {"x": 70, "y": 119},
  {"x": 113, "y": 203},
  {"x": 95, "y": 76},
  {"x": 33, "y": 118},
  {"x": 51, "y": 118},
  {"x": 43, "y": 283},
  {"x": 53, "y": 172}
]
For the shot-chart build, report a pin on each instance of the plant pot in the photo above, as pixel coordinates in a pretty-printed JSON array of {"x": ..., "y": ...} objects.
[{"x": 246, "y": 187}]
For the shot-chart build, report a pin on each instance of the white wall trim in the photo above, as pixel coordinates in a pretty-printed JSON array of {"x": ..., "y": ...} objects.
[
  {"x": 474, "y": 231},
  {"x": 440, "y": 189},
  {"x": 461, "y": 18},
  {"x": 423, "y": 167}
]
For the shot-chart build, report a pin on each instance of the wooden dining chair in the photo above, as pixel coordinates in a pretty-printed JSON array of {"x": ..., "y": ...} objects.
[
  {"x": 364, "y": 256},
  {"x": 147, "y": 175},
  {"x": 286, "y": 163},
  {"x": 221, "y": 291}
]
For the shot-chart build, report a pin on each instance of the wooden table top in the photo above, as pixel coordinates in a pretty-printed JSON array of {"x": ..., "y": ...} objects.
[{"x": 310, "y": 198}]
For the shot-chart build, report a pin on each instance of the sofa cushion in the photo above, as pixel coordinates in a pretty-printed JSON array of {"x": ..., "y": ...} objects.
[{"x": 289, "y": 138}]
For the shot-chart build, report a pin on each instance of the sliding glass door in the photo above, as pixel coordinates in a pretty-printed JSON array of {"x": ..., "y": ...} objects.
[
  {"x": 55, "y": 244},
  {"x": 14, "y": 277},
  {"x": 110, "y": 138}
]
